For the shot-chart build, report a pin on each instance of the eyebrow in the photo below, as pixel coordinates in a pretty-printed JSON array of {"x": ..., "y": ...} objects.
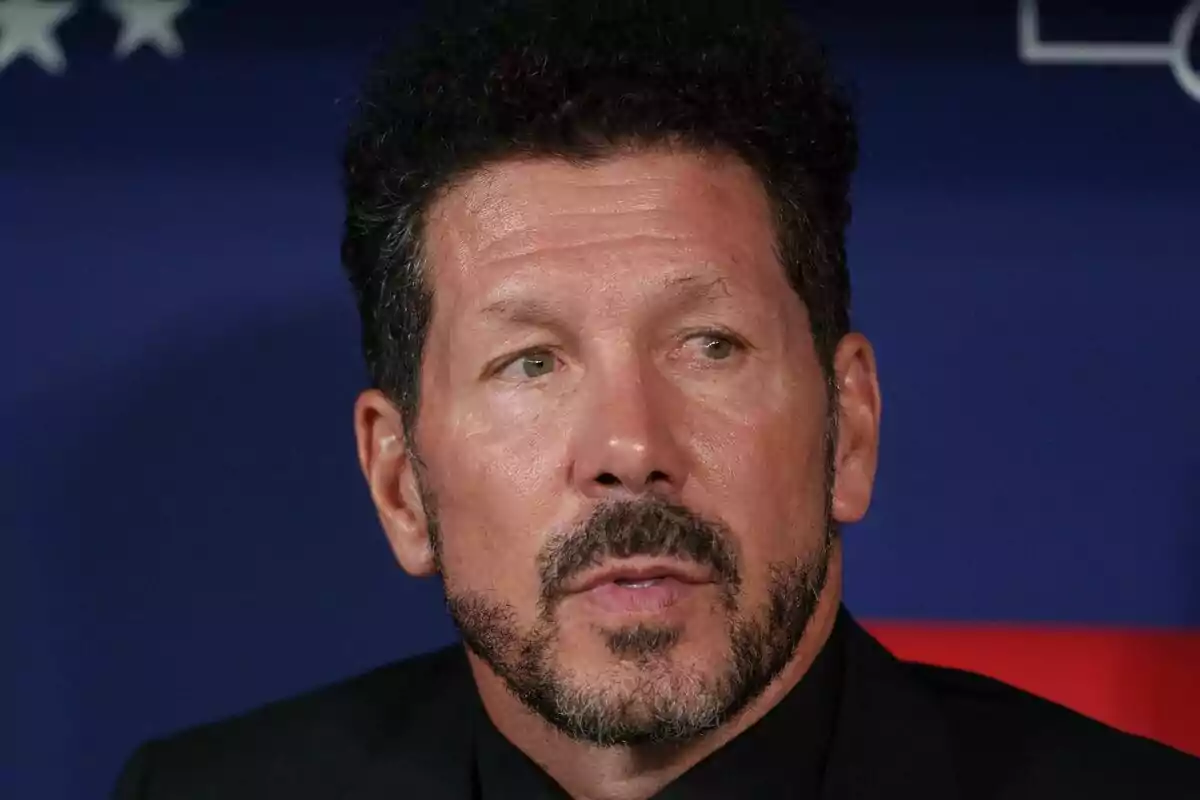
[{"x": 687, "y": 290}]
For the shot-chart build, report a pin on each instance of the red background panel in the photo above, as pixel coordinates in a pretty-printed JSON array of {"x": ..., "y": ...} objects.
[{"x": 1144, "y": 682}]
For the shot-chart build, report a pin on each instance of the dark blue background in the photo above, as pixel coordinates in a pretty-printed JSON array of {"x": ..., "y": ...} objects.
[{"x": 185, "y": 533}]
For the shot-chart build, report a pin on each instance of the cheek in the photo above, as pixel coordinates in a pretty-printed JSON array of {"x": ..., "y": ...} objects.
[
  {"x": 496, "y": 503},
  {"x": 492, "y": 549},
  {"x": 500, "y": 465},
  {"x": 765, "y": 477}
]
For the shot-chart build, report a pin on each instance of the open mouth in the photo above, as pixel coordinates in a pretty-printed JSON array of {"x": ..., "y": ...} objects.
[
  {"x": 638, "y": 583},
  {"x": 641, "y": 586},
  {"x": 642, "y": 572}
]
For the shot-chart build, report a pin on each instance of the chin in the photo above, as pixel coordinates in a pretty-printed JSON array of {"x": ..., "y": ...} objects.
[
  {"x": 635, "y": 704},
  {"x": 640, "y": 652}
]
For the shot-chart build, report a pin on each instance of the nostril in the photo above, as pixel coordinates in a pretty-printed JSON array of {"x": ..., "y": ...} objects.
[{"x": 654, "y": 478}]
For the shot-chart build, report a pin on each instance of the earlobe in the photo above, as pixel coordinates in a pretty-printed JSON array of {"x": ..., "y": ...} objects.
[
  {"x": 859, "y": 411},
  {"x": 393, "y": 481}
]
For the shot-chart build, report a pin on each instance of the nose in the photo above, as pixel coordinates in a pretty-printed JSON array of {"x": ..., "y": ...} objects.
[{"x": 628, "y": 442}]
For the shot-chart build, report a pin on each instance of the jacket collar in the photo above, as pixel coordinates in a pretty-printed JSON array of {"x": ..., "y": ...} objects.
[
  {"x": 891, "y": 738},
  {"x": 429, "y": 750}
]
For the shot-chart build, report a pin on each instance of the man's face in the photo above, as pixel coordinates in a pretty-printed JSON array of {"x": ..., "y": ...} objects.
[{"x": 623, "y": 438}]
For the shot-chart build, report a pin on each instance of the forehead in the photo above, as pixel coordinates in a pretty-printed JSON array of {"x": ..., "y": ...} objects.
[{"x": 651, "y": 217}]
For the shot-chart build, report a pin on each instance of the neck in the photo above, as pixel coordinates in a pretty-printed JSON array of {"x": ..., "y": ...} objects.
[{"x": 588, "y": 772}]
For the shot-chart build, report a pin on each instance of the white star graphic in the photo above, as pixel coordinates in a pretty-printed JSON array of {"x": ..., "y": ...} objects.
[
  {"x": 148, "y": 22},
  {"x": 27, "y": 29}
]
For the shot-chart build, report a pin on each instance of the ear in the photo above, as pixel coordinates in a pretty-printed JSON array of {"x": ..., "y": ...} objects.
[
  {"x": 392, "y": 478},
  {"x": 859, "y": 409}
]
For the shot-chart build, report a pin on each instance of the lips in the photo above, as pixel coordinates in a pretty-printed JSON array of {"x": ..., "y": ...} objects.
[{"x": 641, "y": 573}]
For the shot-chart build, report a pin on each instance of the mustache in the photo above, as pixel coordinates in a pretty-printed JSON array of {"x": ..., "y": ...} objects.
[{"x": 645, "y": 527}]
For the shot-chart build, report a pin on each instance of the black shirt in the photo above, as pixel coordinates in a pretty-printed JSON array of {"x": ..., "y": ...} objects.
[
  {"x": 782, "y": 755},
  {"x": 902, "y": 730}
]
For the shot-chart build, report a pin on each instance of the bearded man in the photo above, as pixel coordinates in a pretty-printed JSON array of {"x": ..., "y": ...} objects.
[{"x": 619, "y": 408}]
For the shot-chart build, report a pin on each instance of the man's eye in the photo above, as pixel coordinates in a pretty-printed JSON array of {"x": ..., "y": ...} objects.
[
  {"x": 530, "y": 365},
  {"x": 716, "y": 346}
]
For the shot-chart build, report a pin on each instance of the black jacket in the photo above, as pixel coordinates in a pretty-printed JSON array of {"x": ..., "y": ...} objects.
[{"x": 903, "y": 731}]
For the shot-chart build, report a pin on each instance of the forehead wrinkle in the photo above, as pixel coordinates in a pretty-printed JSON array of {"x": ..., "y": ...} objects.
[
  {"x": 501, "y": 199},
  {"x": 493, "y": 184},
  {"x": 551, "y": 230},
  {"x": 530, "y": 253},
  {"x": 523, "y": 305},
  {"x": 495, "y": 201}
]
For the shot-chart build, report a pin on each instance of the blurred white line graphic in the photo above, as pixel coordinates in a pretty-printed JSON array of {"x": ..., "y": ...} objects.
[{"x": 1173, "y": 53}]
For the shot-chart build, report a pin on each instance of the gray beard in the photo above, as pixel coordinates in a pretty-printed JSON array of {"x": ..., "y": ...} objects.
[{"x": 664, "y": 707}]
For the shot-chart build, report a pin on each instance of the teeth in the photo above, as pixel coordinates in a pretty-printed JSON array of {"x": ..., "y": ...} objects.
[{"x": 638, "y": 584}]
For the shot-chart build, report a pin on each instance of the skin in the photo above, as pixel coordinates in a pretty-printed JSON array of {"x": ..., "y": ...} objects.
[{"x": 618, "y": 273}]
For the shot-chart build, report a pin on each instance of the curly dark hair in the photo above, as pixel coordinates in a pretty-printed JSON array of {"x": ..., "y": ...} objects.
[{"x": 579, "y": 80}]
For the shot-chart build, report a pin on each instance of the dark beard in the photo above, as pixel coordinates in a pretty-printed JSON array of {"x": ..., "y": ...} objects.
[{"x": 762, "y": 640}]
